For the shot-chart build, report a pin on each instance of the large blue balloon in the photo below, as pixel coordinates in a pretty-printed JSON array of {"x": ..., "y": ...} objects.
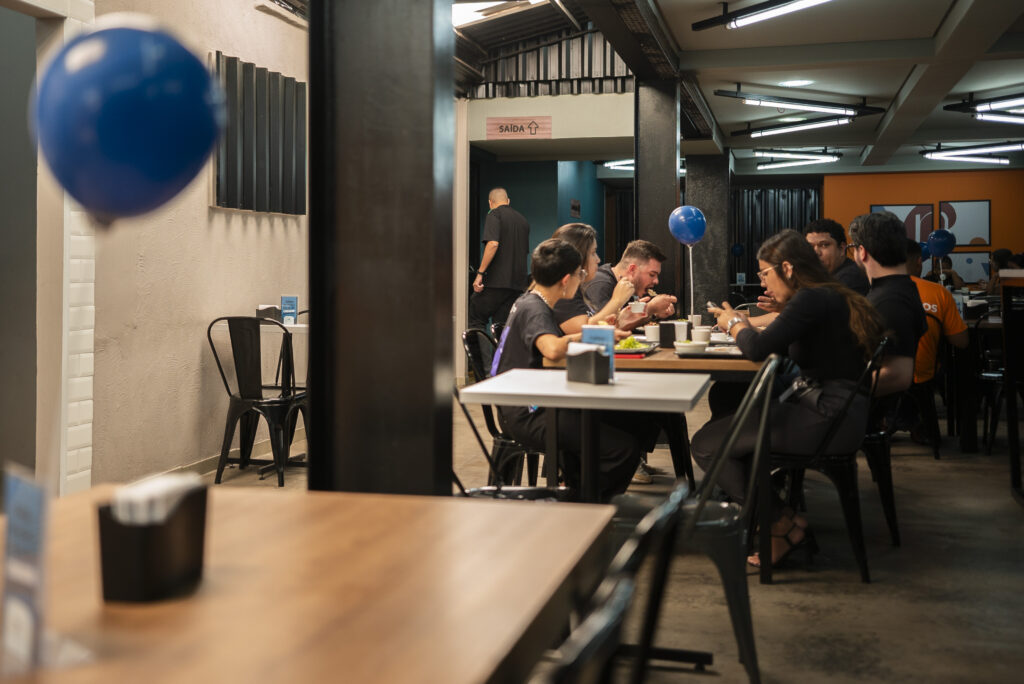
[
  {"x": 687, "y": 224},
  {"x": 126, "y": 117},
  {"x": 926, "y": 251},
  {"x": 941, "y": 242}
]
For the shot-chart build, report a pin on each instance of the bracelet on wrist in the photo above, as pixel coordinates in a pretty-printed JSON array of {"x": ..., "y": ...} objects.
[{"x": 733, "y": 322}]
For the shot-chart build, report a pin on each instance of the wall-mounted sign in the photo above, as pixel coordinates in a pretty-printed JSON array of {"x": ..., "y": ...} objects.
[{"x": 518, "y": 127}]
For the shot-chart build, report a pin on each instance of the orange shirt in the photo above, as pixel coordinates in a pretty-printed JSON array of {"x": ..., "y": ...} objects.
[{"x": 943, "y": 320}]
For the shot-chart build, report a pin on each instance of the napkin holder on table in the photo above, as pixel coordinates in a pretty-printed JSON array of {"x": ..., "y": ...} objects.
[
  {"x": 587, "y": 363},
  {"x": 156, "y": 560}
]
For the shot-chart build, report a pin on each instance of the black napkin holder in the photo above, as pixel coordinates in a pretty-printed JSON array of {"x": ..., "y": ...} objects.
[
  {"x": 666, "y": 334},
  {"x": 153, "y": 562},
  {"x": 589, "y": 366}
]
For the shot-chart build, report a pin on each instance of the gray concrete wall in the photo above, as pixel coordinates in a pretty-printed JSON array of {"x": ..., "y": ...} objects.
[
  {"x": 18, "y": 246},
  {"x": 161, "y": 278}
]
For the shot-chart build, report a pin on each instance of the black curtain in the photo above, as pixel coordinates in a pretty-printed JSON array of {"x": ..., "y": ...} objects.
[{"x": 760, "y": 212}]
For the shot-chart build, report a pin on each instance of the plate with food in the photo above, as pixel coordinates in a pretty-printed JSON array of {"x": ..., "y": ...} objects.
[
  {"x": 702, "y": 349},
  {"x": 721, "y": 338},
  {"x": 631, "y": 345}
]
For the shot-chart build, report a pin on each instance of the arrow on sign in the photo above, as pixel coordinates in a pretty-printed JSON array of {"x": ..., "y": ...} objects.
[{"x": 533, "y": 127}]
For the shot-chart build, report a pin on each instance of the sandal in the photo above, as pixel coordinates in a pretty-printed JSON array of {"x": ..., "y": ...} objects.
[{"x": 805, "y": 542}]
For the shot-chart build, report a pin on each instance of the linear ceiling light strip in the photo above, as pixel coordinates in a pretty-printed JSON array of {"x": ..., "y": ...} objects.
[
  {"x": 999, "y": 117},
  {"x": 755, "y": 13},
  {"x": 800, "y": 104},
  {"x": 803, "y": 126}
]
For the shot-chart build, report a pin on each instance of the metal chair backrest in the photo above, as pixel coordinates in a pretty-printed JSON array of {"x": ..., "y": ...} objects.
[
  {"x": 651, "y": 527},
  {"x": 866, "y": 384},
  {"x": 477, "y": 343},
  {"x": 247, "y": 355},
  {"x": 585, "y": 656}
]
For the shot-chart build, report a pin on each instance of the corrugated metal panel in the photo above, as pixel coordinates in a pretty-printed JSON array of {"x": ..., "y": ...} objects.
[{"x": 762, "y": 212}]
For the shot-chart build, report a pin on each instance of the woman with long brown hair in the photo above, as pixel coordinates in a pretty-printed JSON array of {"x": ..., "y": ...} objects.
[{"x": 829, "y": 331}]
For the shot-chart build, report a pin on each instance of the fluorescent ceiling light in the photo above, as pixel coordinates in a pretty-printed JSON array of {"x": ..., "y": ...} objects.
[
  {"x": 1013, "y": 101},
  {"x": 793, "y": 119},
  {"x": 789, "y": 154},
  {"x": 772, "y": 12},
  {"x": 966, "y": 158},
  {"x": 805, "y": 126},
  {"x": 630, "y": 165},
  {"x": 840, "y": 111},
  {"x": 798, "y": 83},
  {"x": 979, "y": 149},
  {"x": 802, "y": 162},
  {"x": 1000, "y": 117}
]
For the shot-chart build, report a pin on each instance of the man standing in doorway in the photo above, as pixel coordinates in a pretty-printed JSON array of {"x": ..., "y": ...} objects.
[{"x": 501, "y": 277}]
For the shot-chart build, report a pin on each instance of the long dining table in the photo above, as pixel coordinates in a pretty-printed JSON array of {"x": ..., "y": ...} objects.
[
  {"x": 718, "y": 366},
  {"x": 331, "y": 586}
]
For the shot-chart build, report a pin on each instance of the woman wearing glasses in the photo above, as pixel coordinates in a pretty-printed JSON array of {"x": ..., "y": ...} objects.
[{"x": 830, "y": 332}]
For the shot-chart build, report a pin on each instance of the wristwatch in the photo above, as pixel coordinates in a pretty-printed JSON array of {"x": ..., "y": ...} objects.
[{"x": 732, "y": 321}]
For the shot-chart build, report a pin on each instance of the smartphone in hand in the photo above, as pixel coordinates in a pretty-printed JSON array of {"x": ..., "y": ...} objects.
[{"x": 711, "y": 305}]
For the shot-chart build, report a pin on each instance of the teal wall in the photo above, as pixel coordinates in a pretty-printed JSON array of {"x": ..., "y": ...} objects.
[
  {"x": 541, "y": 191},
  {"x": 577, "y": 180}
]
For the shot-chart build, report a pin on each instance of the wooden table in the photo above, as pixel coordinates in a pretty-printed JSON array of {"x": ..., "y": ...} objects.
[
  {"x": 656, "y": 392},
  {"x": 325, "y": 586},
  {"x": 665, "y": 360}
]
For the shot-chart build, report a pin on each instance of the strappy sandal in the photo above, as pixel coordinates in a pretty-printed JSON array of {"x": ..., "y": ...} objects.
[{"x": 806, "y": 543}]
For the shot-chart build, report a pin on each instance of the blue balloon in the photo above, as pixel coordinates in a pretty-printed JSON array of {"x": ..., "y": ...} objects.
[
  {"x": 926, "y": 251},
  {"x": 737, "y": 250},
  {"x": 941, "y": 242},
  {"x": 687, "y": 224},
  {"x": 126, "y": 117}
]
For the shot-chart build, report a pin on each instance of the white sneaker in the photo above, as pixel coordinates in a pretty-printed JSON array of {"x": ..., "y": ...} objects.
[{"x": 642, "y": 476}]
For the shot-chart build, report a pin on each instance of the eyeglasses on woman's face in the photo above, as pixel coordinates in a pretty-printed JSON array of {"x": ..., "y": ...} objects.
[{"x": 761, "y": 275}]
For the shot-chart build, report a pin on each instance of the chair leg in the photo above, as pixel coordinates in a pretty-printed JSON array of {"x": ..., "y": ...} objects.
[
  {"x": 679, "y": 447},
  {"x": 246, "y": 437},
  {"x": 883, "y": 471},
  {"x": 229, "y": 434},
  {"x": 844, "y": 477},
  {"x": 729, "y": 555},
  {"x": 662, "y": 561},
  {"x": 993, "y": 423},
  {"x": 532, "y": 468}
]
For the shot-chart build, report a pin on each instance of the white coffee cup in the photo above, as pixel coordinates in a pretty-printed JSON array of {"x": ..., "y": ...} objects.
[
  {"x": 637, "y": 307},
  {"x": 681, "y": 328},
  {"x": 651, "y": 332},
  {"x": 702, "y": 333},
  {"x": 695, "y": 320}
]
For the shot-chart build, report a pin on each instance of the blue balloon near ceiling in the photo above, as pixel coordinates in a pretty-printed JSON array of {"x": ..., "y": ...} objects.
[
  {"x": 687, "y": 224},
  {"x": 941, "y": 242},
  {"x": 126, "y": 117},
  {"x": 926, "y": 251},
  {"x": 737, "y": 250}
]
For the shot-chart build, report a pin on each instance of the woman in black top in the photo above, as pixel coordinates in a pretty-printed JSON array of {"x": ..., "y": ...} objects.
[{"x": 829, "y": 331}]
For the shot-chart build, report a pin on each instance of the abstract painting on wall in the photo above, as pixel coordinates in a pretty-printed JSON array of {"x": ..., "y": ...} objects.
[
  {"x": 918, "y": 218},
  {"x": 967, "y": 220},
  {"x": 972, "y": 266}
]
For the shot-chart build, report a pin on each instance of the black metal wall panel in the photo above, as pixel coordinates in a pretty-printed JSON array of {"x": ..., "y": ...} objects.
[
  {"x": 300, "y": 148},
  {"x": 288, "y": 147},
  {"x": 761, "y": 212},
  {"x": 248, "y": 114},
  {"x": 233, "y": 133},
  {"x": 262, "y": 200},
  {"x": 275, "y": 88}
]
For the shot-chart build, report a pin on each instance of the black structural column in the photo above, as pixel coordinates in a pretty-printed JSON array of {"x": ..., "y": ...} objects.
[
  {"x": 381, "y": 164},
  {"x": 707, "y": 188},
  {"x": 656, "y": 178}
]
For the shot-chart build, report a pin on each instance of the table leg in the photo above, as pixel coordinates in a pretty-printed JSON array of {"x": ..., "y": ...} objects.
[
  {"x": 551, "y": 448},
  {"x": 588, "y": 458}
]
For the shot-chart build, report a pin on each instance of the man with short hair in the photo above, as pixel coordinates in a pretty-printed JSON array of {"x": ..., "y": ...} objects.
[
  {"x": 829, "y": 241},
  {"x": 879, "y": 244},
  {"x": 501, "y": 277},
  {"x": 641, "y": 265}
]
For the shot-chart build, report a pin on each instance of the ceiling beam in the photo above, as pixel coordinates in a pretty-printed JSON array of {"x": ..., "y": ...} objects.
[
  {"x": 970, "y": 29},
  {"x": 832, "y": 54}
]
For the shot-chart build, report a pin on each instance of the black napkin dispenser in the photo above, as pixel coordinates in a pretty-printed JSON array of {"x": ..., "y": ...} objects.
[
  {"x": 667, "y": 334},
  {"x": 589, "y": 366},
  {"x": 142, "y": 563}
]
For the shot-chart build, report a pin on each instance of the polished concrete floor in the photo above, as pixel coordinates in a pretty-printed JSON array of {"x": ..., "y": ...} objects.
[{"x": 946, "y": 606}]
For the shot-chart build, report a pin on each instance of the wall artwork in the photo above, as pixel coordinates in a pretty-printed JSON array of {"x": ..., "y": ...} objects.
[
  {"x": 972, "y": 266},
  {"x": 967, "y": 220},
  {"x": 918, "y": 218}
]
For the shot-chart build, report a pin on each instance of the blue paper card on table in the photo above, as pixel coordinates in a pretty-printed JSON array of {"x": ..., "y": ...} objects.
[
  {"x": 289, "y": 309},
  {"x": 603, "y": 335}
]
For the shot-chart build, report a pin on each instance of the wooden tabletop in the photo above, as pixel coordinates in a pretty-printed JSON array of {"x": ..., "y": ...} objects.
[
  {"x": 666, "y": 360},
  {"x": 550, "y": 388},
  {"x": 318, "y": 586}
]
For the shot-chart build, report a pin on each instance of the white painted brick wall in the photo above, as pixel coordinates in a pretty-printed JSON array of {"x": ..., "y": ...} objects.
[{"x": 81, "y": 322}]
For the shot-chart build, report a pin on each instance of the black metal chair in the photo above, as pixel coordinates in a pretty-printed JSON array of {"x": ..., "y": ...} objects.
[
  {"x": 841, "y": 469},
  {"x": 719, "y": 530},
  {"x": 247, "y": 399},
  {"x": 507, "y": 454}
]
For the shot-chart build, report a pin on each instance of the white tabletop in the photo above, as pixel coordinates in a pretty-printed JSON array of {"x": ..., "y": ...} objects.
[{"x": 634, "y": 391}]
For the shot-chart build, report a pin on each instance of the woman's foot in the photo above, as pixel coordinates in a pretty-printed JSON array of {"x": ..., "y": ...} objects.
[{"x": 788, "y": 534}]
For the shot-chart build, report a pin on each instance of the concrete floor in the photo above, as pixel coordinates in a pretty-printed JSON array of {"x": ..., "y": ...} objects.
[{"x": 947, "y": 606}]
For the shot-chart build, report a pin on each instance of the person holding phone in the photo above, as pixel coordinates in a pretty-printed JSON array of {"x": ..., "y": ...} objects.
[{"x": 830, "y": 331}]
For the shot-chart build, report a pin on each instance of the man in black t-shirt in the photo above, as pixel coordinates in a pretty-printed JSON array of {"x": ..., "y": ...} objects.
[
  {"x": 829, "y": 241},
  {"x": 501, "y": 277},
  {"x": 641, "y": 265},
  {"x": 880, "y": 247}
]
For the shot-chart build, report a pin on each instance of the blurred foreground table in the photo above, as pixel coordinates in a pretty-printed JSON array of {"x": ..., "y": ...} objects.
[{"x": 326, "y": 586}]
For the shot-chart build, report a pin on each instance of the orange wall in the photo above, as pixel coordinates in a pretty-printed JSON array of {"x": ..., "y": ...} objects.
[{"x": 850, "y": 195}]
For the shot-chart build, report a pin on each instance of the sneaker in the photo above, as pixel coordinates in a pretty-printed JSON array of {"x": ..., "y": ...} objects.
[{"x": 642, "y": 476}]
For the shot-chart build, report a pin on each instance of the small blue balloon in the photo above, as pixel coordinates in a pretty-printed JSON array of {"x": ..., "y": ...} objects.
[
  {"x": 941, "y": 242},
  {"x": 687, "y": 224},
  {"x": 737, "y": 250},
  {"x": 126, "y": 117},
  {"x": 926, "y": 251}
]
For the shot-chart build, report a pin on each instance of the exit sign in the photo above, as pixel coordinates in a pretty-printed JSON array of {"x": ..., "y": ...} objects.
[{"x": 518, "y": 127}]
